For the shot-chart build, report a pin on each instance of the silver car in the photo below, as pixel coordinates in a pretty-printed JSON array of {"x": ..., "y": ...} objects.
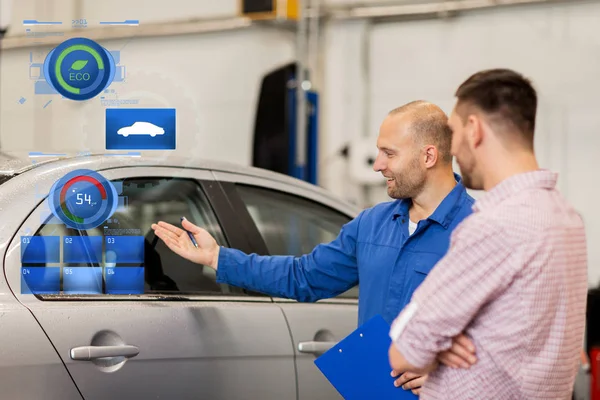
[{"x": 186, "y": 336}]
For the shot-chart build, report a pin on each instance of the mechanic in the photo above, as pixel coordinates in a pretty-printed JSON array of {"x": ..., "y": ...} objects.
[
  {"x": 515, "y": 277},
  {"x": 389, "y": 248}
]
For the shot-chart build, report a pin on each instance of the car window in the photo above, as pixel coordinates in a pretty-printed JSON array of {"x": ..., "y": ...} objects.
[
  {"x": 123, "y": 256},
  {"x": 291, "y": 225},
  {"x": 4, "y": 178}
]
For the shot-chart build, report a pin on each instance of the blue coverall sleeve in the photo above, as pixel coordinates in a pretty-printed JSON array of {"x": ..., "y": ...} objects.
[{"x": 330, "y": 269}]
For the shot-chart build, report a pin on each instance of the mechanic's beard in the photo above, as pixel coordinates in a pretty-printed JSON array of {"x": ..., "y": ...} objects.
[{"x": 409, "y": 184}]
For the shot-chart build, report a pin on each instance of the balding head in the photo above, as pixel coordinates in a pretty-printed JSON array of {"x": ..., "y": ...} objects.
[
  {"x": 428, "y": 124},
  {"x": 414, "y": 149}
]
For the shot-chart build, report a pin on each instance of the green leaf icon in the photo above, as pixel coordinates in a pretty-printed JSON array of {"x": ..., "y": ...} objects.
[{"x": 79, "y": 64}]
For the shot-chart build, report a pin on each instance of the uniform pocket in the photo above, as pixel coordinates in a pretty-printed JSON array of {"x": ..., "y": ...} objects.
[{"x": 423, "y": 264}]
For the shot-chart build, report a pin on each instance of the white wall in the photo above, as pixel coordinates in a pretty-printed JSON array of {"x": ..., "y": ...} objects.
[
  {"x": 5, "y": 13},
  {"x": 213, "y": 81},
  {"x": 367, "y": 69},
  {"x": 344, "y": 115},
  {"x": 557, "y": 46},
  {"x": 149, "y": 11}
]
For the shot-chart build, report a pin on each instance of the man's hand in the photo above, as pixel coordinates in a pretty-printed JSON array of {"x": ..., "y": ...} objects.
[
  {"x": 179, "y": 242},
  {"x": 460, "y": 355},
  {"x": 409, "y": 381}
]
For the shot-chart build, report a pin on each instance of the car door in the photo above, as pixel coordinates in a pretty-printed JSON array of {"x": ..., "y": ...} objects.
[
  {"x": 291, "y": 221},
  {"x": 143, "y": 322}
]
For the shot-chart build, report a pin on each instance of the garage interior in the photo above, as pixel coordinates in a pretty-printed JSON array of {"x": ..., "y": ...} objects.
[{"x": 234, "y": 69}]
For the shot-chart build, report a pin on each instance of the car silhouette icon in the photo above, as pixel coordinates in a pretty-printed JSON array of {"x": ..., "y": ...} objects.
[{"x": 141, "y": 128}]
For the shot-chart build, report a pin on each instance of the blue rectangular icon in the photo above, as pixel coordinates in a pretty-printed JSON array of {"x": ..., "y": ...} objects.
[
  {"x": 40, "y": 249},
  {"x": 82, "y": 249},
  {"x": 124, "y": 280},
  {"x": 40, "y": 280},
  {"x": 82, "y": 280},
  {"x": 43, "y": 87},
  {"x": 124, "y": 249},
  {"x": 140, "y": 129}
]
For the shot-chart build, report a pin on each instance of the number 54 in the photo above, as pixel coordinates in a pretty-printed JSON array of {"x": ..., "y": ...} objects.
[{"x": 83, "y": 197}]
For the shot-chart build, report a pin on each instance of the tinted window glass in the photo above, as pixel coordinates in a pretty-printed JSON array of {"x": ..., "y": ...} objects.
[
  {"x": 4, "y": 178},
  {"x": 133, "y": 260},
  {"x": 291, "y": 225}
]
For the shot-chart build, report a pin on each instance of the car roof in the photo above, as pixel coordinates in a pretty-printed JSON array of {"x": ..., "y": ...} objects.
[
  {"x": 13, "y": 163},
  {"x": 17, "y": 163}
]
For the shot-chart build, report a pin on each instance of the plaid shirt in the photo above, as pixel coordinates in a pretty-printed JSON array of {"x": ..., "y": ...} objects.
[{"x": 515, "y": 282}]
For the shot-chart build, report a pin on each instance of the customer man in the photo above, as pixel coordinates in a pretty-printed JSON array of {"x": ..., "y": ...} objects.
[
  {"x": 389, "y": 248},
  {"x": 515, "y": 277}
]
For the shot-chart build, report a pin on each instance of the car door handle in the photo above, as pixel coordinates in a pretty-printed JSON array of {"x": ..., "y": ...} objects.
[
  {"x": 315, "y": 347},
  {"x": 87, "y": 353}
]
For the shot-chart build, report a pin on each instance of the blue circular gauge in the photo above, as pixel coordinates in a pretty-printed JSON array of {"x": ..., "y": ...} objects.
[
  {"x": 83, "y": 199},
  {"x": 79, "y": 69}
]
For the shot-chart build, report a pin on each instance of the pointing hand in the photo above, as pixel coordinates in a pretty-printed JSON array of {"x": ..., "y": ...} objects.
[{"x": 179, "y": 242}]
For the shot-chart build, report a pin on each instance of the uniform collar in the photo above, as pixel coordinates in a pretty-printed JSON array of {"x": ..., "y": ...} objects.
[
  {"x": 445, "y": 212},
  {"x": 538, "y": 179}
]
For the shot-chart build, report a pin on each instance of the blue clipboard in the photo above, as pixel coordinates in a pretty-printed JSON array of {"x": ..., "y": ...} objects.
[{"x": 358, "y": 366}]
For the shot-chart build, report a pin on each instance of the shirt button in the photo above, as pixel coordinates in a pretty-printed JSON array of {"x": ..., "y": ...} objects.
[{"x": 403, "y": 221}]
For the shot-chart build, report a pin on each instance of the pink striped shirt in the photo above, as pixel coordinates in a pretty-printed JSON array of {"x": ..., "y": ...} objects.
[{"x": 514, "y": 281}]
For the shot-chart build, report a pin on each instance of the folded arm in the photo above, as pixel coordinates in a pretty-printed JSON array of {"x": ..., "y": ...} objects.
[
  {"x": 399, "y": 363},
  {"x": 476, "y": 269}
]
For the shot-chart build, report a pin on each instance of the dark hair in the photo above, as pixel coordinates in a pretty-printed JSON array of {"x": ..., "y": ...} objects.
[{"x": 505, "y": 96}]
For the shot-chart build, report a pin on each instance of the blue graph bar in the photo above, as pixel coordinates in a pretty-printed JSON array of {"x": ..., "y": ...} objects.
[
  {"x": 40, "y": 154},
  {"x": 128, "y": 154},
  {"x": 43, "y": 87},
  {"x": 36, "y": 22},
  {"x": 122, "y": 203},
  {"x": 125, "y": 280},
  {"x": 124, "y": 249},
  {"x": 40, "y": 249},
  {"x": 118, "y": 186},
  {"x": 116, "y": 55},
  {"x": 40, "y": 280},
  {"x": 82, "y": 249},
  {"x": 131, "y": 22},
  {"x": 82, "y": 280},
  {"x": 119, "y": 74}
]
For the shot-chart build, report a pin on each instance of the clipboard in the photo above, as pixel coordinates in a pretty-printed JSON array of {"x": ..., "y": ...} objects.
[{"x": 358, "y": 366}]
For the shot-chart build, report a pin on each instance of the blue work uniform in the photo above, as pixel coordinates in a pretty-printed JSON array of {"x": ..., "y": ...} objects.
[{"x": 373, "y": 250}]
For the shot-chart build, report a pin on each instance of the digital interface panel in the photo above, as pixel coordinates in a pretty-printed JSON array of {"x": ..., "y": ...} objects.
[
  {"x": 40, "y": 280},
  {"x": 83, "y": 199},
  {"x": 82, "y": 265},
  {"x": 86, "y": 250},
  {"x": 82, "y": 249},
  {"x": 40, "y": 249},
  {"x": 125, "y": 249}
]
